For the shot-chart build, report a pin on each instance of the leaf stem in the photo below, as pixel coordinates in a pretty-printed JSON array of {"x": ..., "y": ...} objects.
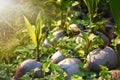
[{"x": 37, "y": 51}]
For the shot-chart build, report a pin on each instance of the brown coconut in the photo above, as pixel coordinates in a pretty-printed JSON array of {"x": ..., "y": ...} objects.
[
  {"x": 115, "y": 74},
  {"x": 105, "y": 57},
  {"x": 70, "y": 65},
  {"x": 27, "y": 66}
]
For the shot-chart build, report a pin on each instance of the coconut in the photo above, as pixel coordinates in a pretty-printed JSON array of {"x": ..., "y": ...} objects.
[
  {"x": 115, "y": 74},
  {"x": 27, "y": 66},
  {"x": 58, "y": 34},
  {"x": 46, "y": 43},
  {"x": 104, "y": 37},
  {"x": 74, "y": 27},
  {"x": 118, "y": 48},
  {"x": 77, "y": 39},
  {"x": 70, "y": 65},
  {"x": 57, "y": 57},
  {"x": 105, "y": 57}
]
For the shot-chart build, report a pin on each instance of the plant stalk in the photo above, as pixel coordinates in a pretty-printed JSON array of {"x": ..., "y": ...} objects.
[
  {"x": 61, "y": 14},
  {"x": 91, "y": 16},
  {"x": 37, "y": 51}
]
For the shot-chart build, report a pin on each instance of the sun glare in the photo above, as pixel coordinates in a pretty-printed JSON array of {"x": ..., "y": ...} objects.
[{"x": 4, "y": 4}]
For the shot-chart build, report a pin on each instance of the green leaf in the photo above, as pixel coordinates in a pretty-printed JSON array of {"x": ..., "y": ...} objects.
[
  {"x": 59, "y": 2},
  {"x": 31, "y": 31},
  {"x": 115, "y": 8},
  {"x": 75, "y": 3},
  {"x": 46, "y": 66},
  {"x": 39, "y": 29},
  {"x": 77, "y": 77},
  {"x": 82, "y": 52},
  {"x": 91, "y": 37}
]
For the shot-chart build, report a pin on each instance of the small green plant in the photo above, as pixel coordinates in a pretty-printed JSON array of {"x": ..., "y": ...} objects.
[
  {"x": 88, "y": 42},
  {"x": 104, "y": 74},
  {"x": 63, "y": 10},
  {"x": 114, "y": 44},
  {"x": 56, "y": 73},
  {"x": 91, "y": 5},
  {"x": 84, "y": 75},
  {"x": 35, "y": 32}
]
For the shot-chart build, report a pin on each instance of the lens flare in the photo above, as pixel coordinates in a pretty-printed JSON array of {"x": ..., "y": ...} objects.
[{"x": 4, "y": 3}]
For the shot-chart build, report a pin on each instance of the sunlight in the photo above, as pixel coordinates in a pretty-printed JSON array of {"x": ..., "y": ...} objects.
[{"x": 5, "y": 4}]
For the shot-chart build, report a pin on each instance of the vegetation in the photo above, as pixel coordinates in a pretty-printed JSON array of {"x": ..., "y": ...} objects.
[{"x": 86, "y": 26}]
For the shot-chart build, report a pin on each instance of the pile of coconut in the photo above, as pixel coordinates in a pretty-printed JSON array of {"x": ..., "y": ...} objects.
[{"x": 102, "y": 56}]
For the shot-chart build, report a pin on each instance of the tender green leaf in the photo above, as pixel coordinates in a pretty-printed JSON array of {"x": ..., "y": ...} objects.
[
  {"x": 75, "y": 3},
  {"x": 91, "y": 37},
  {"x": 77, "y": 77},
  {"x": 82, "y": 52},
  {"x": 46, "y": 66},
  {"x": 104, "y": 72},
  {"x": 31, "y": 31},
  {"x": 91, "y": 5}
]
